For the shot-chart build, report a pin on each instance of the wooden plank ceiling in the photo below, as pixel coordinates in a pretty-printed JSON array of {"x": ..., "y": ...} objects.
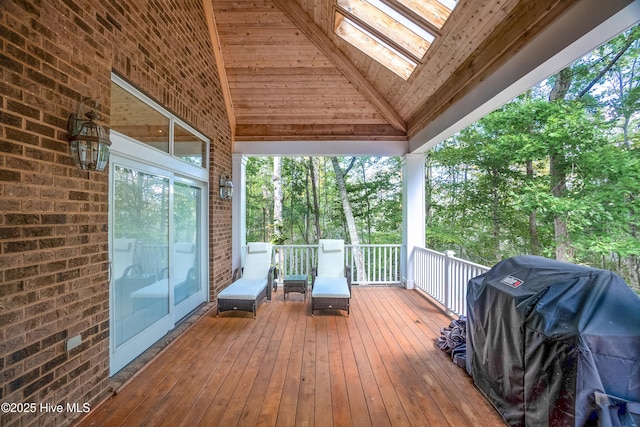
[{"x": 290, "y": 78}]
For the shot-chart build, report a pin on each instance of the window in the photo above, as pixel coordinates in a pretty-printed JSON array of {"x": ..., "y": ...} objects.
[
  {"x": 188, "y": 147},
  {"x": 153, "y": 126},
  {"x": 134, "y": 118},
  {"x": 388, "y": 34}
]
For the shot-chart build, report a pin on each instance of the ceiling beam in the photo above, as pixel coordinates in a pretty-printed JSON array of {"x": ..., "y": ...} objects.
[
  {"x": 292, "y": 132},
  {"x": 222, "y": 73},
  {"x": 324, "y": 43},
  {"x": 321, "y": 148}
]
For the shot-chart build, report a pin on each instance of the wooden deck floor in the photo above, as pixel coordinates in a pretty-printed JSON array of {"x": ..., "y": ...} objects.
[{"x": 377, "y": 367}]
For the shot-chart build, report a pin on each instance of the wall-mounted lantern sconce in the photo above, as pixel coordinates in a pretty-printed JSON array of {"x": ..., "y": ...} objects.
[
  {"x": 89, "y": 141},
  {"x": 226, "y": 188}
]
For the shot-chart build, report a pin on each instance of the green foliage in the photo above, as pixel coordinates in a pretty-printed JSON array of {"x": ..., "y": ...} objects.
[
  {"x": 490, "y": 187},
  {"x": 374, "y": 185},
  {"x": 375, "y": 192},
  {"x": 259, "y": 193},
  {"x": 141, "y": 206}
]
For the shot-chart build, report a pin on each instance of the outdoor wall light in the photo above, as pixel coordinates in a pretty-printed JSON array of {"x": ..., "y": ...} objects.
[
  {"x": 89, "y": 141},
  {"x": 226, "y": 187}
]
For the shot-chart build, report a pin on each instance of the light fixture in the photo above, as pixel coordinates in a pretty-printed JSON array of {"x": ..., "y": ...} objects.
[
  {"x": 226, "y": 187},
  {"x": 90, "y": 144}
]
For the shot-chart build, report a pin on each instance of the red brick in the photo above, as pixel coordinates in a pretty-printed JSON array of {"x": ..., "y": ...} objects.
[{"x": 40, "y": 187}]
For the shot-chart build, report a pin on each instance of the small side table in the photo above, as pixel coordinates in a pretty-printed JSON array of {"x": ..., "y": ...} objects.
[{"x": 295, "y": 283}]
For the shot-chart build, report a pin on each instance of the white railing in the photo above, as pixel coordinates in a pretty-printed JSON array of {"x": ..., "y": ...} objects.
[
  {"x": 440, "y": 275},
  {"x": 444, "y": 278},
  {"x": 294, "y": 259},
  {"x": 381, "y": 263}
]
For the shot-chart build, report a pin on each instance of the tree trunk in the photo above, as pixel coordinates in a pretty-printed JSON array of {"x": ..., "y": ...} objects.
[
  {"x": 533, "y": 218},
  {"x": 351, "y": 222},
  {"x": 316, "y": 205},
  {"x": 278, "y": 238},
  {"x": 558, "y": 174},
  {"x": 368, "y": 203},
  {"x": 633, "y": 261},
  {"x": 495, "y": 215}
]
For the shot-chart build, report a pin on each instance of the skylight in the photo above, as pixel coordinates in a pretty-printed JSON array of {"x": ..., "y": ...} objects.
[
  {"x": 436, "y": 12},
  {"x": 387, "y": 34},
  {"x": 390, "y": 24},
  {"x": 375, "y": 47}
]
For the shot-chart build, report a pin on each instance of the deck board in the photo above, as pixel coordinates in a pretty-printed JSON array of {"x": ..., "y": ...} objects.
[{"x": 376, "y": 367}]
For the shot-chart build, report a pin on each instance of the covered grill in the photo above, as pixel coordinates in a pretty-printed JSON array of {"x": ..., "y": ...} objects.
[{"x": 555, "y": 344}]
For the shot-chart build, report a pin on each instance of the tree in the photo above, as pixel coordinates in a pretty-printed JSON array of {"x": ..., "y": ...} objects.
[
  {"x": 348, "y": 213},
  {"x": 277, "y": 201},
  {"x": 259, "y": 194},
  {"x": 315, "y": 207},
  {"x": 549, "y": 158},
  {"x": 558, "y": 171}
]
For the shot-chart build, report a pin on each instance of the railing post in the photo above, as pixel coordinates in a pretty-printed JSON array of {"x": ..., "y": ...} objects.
[{"x": 447, "y": 280}]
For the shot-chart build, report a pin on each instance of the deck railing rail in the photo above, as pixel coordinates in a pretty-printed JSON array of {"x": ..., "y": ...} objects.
[
  {"x": 440, "y": 275},
  {"x": 381, "y": 263},
  {"x": 444, "y": 278}
]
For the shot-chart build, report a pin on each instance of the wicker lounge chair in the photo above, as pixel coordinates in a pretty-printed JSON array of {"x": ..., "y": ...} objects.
[
  {"x": 331, "y": 279},
  {"x": 183, "y": 274},
  {"x": 247, "y": 292}
]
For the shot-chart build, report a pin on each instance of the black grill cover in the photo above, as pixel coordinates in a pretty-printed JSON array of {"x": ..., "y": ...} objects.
[{"x": 545, "y": 337}]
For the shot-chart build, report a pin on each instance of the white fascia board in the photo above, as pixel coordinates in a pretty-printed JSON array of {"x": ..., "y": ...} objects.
[
  {"x": 321, "y": 148},
  {"x": 580, "y": 30}
]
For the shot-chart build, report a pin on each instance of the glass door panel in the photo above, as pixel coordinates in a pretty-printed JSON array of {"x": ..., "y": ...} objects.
[
  {"x": 185, "y": 252},
  {"x": 141, "y": 256}
]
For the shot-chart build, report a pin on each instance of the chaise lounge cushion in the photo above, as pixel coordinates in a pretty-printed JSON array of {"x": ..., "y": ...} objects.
[
  {"x": 331, "y": 287},
  {"x": 243, "y": 289},
  {"x": 258, "y": 247},
  {"x": 329, "y": 245},
  {"x": 331, "y": 258},
  {"x": 258, "y": 261}
]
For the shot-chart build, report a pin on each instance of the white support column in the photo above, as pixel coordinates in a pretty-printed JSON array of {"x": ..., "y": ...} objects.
[
  {"x": 413, "y": 211},
  {"x": 238, "y": 209}
]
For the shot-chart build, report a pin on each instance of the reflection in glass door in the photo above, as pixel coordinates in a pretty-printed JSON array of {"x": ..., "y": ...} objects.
[
  {"x": 141, "y": 241},
  {"x": 185, "y": 258},
  {"x": 156, "y": 256}
]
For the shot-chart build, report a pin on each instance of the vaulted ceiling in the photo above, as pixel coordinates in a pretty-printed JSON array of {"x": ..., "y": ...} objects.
[{"x": 289, "y": 79}]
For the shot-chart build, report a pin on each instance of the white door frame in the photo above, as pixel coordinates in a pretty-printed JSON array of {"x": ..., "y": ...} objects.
[{"x": 133, "y": 154}]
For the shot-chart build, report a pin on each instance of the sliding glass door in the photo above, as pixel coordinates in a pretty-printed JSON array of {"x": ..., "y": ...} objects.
[{"x": 157, "y": 223}]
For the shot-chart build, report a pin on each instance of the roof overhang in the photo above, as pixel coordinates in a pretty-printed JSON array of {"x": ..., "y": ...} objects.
[
  {"x": 319, "y": 97},
  {"x": 574, "y": 34}
]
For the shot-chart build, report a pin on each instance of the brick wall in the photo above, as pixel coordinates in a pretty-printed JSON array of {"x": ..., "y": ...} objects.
[{"x": 53, "y": 218}]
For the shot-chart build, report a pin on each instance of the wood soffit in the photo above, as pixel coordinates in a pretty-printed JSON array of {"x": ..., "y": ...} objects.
[{"x": 290, "y": 78}]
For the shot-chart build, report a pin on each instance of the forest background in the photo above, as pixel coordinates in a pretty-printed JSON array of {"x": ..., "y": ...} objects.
[{"x": 555, "y": 172}]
